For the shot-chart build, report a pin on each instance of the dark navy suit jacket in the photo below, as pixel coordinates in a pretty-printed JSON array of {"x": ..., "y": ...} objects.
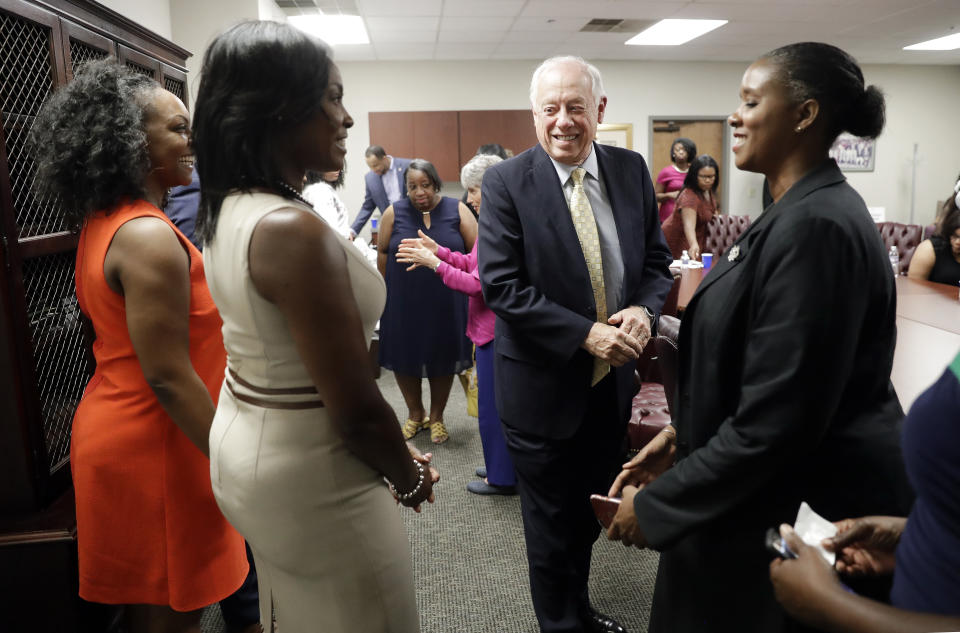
[
  {"x": 535, "y": 280},
  {"x": 376, "y": 195}
]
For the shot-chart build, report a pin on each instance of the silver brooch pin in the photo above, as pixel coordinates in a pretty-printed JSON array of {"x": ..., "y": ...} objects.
[{"x": 734, "y": 253}]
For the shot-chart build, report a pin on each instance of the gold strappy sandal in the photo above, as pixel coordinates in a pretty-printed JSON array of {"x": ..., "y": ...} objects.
[
  {"x": 438, "y": 432},
  {"x": 412, "y": 427}
]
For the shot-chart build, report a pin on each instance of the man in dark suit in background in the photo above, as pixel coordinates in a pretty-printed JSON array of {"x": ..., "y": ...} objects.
[
  {"x": 574, "y": 264},
  {"x": 384, "y": 182}
]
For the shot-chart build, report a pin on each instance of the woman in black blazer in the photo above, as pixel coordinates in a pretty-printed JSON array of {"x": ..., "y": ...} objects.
[{"x": 785, "y": 351}]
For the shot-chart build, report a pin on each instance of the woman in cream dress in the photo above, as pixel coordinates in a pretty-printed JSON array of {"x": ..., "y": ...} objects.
[{"x": 302, "y": 437}]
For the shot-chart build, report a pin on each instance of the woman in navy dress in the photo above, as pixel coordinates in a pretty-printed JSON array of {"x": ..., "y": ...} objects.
[{"x": 423, "y": 323}]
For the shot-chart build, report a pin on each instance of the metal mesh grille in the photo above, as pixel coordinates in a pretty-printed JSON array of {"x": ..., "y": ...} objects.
[
  {"x": 175, "y": 86},
  {"x": 81, "y": 53},
  {"x": 143, "y": 70},
  {"x": 58, "y": 348},
  {"x": 26, "y": 79}
]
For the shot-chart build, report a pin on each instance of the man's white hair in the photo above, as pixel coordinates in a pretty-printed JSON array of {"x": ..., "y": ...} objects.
[{"x": 595, "y": 80}]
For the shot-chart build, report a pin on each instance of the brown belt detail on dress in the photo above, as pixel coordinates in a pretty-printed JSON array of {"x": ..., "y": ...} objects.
[
  {"x": 268, "y": 391},
  {"x": 273, "y": 404}
]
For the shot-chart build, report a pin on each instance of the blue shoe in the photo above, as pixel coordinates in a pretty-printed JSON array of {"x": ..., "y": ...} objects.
[
  {"x": 482, "y": 472},
  {"x": 483, "y": 488}
]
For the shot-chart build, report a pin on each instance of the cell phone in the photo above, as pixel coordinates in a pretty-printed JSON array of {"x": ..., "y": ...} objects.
[
  {"x": 777, "y": 545},
  {"x": 605, "y": 508}
]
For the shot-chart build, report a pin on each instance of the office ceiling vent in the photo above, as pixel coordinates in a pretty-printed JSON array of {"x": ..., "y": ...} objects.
[
  {"x": 606, "y": 25},
  {"x": 328, "y": 7}
]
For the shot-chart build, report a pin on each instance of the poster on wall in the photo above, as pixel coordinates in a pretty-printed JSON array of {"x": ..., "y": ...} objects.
[
  {"x": 616, "y": 134},
  {"x": 853, "y": 153}
]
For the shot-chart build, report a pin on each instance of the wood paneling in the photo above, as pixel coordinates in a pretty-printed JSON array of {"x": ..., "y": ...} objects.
[
  {"x": 435, "y": 138},
  {"x": 511, "y": 128},
  {"x": 432, "y": 136},
  {"x": 449, "y": 139}
]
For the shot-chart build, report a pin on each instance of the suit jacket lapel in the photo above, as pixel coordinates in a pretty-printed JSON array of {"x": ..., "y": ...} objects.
[
  {"x": 554, "y": 213},
  {"x": 623, "y": 209},
  {"x": 825, "y": 174}
]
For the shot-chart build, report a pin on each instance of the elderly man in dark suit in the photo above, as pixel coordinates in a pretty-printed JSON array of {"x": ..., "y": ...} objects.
[
  {"x": 384, "y": 182},
  {"x": 574, "y": 264}
]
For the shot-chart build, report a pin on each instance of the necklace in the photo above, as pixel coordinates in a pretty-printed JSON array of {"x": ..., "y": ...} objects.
[{"x": 293, "y": 192}]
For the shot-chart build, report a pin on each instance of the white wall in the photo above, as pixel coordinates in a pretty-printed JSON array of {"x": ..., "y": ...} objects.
[
  {"x": 921, "y": 102},
  {"x": 154, "y": 14},
  {"x": 195, "y": 24}
]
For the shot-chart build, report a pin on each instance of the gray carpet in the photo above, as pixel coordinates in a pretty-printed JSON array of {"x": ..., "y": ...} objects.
[{"x": 469, "y": 558}]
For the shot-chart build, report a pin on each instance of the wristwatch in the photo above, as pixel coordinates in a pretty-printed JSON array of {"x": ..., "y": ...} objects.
[{"x": 654, "y": 320}]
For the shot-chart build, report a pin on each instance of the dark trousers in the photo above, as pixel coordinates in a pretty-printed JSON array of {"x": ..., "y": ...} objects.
[
  {"x": 555, "y": 479},
  {"x": 242, "y": 608}
]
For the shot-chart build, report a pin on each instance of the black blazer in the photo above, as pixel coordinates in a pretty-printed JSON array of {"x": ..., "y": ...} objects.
[
  {"x": 535, "y": 280},
  {"x": 784, "y": 396}
]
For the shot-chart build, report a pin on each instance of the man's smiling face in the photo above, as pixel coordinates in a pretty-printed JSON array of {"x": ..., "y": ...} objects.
[{"x": 565, "y": 112}]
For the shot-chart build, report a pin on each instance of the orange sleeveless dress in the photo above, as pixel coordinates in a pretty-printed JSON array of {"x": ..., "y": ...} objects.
[{"x": 148, "y": 527}]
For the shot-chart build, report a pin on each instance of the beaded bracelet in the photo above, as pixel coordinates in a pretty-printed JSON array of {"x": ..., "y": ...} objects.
[{"x": 416, "y": 489}]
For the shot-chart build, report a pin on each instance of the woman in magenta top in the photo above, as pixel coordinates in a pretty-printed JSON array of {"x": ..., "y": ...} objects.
[
  {"x": 459, "y": 272},
  {"x": 670, "y": 179}
]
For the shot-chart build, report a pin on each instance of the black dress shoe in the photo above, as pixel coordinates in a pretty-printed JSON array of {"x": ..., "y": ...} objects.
[{"x": 599, "y": 623}]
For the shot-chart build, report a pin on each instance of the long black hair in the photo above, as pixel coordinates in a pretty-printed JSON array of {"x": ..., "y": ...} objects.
[
  {"x": 259, "y": 80},
  {"x": 813, "y": 70},
  {"x": 699, "y": 163},
  {"x": 89, "y": 142}
]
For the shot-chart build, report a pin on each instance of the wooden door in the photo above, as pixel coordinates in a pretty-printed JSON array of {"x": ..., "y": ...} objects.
[{"x": 706, "y": 133}]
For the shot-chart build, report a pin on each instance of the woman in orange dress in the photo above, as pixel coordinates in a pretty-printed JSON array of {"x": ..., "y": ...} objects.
[
  {"x": 109, "y": 145},
  {"x": 686, "y": 228}
]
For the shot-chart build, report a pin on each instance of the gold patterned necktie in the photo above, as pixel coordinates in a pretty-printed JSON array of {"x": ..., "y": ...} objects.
[{"x": 586, "y": 226}]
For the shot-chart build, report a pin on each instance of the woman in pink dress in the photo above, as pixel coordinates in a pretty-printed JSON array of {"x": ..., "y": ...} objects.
[{"x": 670, "y": 179}]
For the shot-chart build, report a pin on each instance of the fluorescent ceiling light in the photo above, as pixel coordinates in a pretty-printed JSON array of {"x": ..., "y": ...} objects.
[
  {"x": 946, "y": 43},
  {"x": 674, "y": 32},
  {"x": 333, "y": 29}
]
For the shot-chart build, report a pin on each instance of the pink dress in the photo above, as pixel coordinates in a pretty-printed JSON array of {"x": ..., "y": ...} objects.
[{"x": 673, "y": 179}]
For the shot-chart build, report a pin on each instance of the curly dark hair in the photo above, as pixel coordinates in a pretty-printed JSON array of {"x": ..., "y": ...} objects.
[
  {"x": 259, "y": 80},
  {"x": 89, "y": 142}
]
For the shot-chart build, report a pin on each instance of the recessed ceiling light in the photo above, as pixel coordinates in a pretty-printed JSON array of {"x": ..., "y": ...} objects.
[
  {"x": 945, "y": 43},
  {"x": 333, "y": 29},
  {"x": 674, "y": 32}
]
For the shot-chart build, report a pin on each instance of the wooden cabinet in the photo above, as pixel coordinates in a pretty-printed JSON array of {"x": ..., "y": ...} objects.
[
  {"x": 44, "y": 356},
  {"x": 449, "y": 139},
  {"x": 511, "y": 128},
  {"x": 428, "y": 135}
]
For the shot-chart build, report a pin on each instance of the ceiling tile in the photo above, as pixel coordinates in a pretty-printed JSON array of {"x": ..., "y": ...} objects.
[
  {"x": 413, "y": 37},
  {"x": 475, "y": 24},
  {"x": 377, "y": 8},
  {"x": 461, "y": 8},
  {"x": 403, "y": 24},
  {"x": 541, "y": 23},
  {"x": 538, "y": 36},
  {"x": 471, "y": 36}
]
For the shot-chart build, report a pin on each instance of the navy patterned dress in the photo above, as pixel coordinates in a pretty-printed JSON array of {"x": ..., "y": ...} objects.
[{"x": 422, "y": 330}]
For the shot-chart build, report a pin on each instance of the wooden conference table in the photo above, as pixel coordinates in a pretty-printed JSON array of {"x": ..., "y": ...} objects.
[{"x": 928, "y": 330}]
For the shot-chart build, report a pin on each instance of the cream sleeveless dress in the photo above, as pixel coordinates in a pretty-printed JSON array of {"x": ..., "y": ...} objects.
[{"x": 327, "y": 537}]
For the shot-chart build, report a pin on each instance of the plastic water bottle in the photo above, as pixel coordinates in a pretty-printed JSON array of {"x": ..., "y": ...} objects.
[
  {"x": 895, "y": 260},
  {"x": 685, "y": 260}
]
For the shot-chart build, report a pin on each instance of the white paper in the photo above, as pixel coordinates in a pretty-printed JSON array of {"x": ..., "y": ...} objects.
[{"x": 813, "y": 528}]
